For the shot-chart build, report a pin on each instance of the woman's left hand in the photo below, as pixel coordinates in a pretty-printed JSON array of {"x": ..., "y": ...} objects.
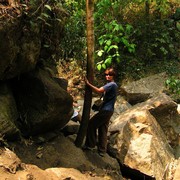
[{"x": 86, "y": 81}]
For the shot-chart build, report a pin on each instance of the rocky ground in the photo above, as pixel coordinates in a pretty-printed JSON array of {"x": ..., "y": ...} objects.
[
  {"x": 37, "y": 158},
  {"x": 53, "y": 155}
]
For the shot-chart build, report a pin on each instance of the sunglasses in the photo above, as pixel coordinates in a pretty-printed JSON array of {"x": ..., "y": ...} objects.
[{"x": 108, "y": 75}]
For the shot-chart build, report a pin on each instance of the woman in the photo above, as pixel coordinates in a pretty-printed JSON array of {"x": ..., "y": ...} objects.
[{"x": 100, "y": 121}]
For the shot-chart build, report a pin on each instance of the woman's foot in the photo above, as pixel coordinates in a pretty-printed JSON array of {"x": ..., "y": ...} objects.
[{"x": 88, "y": 148}]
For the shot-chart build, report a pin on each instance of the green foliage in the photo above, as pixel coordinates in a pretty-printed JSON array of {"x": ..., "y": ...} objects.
[
  {"x": 113, "y": 37},
  {"x": 173, "y": 85},
  {"x": 130, "y": 35},
  {"x": 151, "y": 38},
  {"x": 74, "y": 40},
  {"x": 160, "y": 43},
  {"x": 45, "y": 19},
  {"x": 44, "y": 16},
  {"x": 113, "y": 42}
]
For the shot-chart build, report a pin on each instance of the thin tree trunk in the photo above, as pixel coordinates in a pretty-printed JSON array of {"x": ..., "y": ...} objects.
[
  {"x": 147, "y": 18},
  {"x": 90, "y": 73}
]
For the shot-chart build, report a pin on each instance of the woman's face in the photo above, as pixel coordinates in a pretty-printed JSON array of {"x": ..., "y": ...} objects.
[{"x": 109, "y": 76}]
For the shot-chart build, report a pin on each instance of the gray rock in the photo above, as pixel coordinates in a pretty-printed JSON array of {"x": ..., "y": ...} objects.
[{"x": 143, "y": 89}]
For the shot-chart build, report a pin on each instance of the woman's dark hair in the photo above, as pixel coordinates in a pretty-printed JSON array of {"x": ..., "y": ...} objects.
[{"x": 111, "y": 71}]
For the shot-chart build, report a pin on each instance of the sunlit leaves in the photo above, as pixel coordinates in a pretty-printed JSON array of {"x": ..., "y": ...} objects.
[
  {"x": 121, "y": 31},
  {"x": 115, "y": 37},
  {"x": 112, "y": 47},
  {"x": 45, "y": 17},
  {"x": 108, "y": 42},
  {"x": 48, "y": 7},
  {"x": 100, "y": 53},
  {"x": 173, "y": 84},
  {"x": 99, "y": 66}
]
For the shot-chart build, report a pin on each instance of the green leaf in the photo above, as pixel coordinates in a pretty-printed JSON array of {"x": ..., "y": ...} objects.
[
  {"x": 99, "y": 67},
  {"x": 112, "y": 47},
  {"x": 117, "y": 39},
  {"x": 57, "y": 19},
  {"x": 103, "y": 66},
  {"x": 101, "y": 41},
  {"x": 100, "y": 62},
  {"x": 116, "y": 54},
  {"x": 116, "y": 28},
  {"x": 48, "y": 24},
  {"x": 40, "y": 18},
  {"x": 125, "y": 41},
  {"x": 108, "y": 60},
  {"x": 106, "y": 47},
  {"x": 121, "y": 28},
  {"x": 110, "y": 27},
  {"x": 45, "y": 15},
  {"x": 46, "y": 45},
  {"x": 163, "y": 50},
  {"x": 108, "y": 42},
  {"x": 128, "y": 28},
  {"x": 100, "y": 53},
  {"x": 106, "y": 25},
  {"x": 48, "y": 7}
]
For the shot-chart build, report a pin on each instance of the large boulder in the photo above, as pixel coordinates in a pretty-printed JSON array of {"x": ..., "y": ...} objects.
[
  {"x": 121, "y": 105},
  {"x": 25, "y": 35},
  {"x": 164, "y": 109},
  {"x": 9, "y": 161},
  {"x": 19, "y": 50},
  {"x": 42, "y": 103},
  {"x": 146, "y": 136},
  {"x": 139, "y": 143},
  {"x": 8, "y": 112},
  {"x": 177, "y": 170},
  {"x": 143, "y": 89}
]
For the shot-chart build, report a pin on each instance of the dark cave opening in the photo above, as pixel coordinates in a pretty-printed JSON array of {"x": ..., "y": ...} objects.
[{"x": 133, "y": 174}]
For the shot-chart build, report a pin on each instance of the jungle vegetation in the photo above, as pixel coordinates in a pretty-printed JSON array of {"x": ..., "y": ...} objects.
[{"x": 138, "y": 37}]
